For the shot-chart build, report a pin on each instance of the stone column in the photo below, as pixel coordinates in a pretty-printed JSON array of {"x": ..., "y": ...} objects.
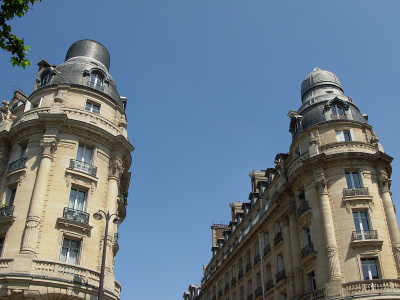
[
  {"x": 384, "y": 183},
  {"x": 296, "y": 256},
  {"x": 38, "y": 196},
  {"x": 333, "y": 287},
  {"x": 288, "y": 257}
]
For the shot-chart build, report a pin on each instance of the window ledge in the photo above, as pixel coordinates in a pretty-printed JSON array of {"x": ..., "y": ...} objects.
[
  {"x": 82, "y": 174},
  {"x": 358, "y": 197},
  {"x": 6, "y": 222},
  {"x": 74, "y": 224},
  {"x": 18, "y": 171},
  {"x": 366, "y": 243}
]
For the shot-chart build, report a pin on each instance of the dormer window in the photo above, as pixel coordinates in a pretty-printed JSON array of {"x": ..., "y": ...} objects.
[
  {"x": 45, "y": 78},
  {"x": 96, "y": 81},
  {"x": 337, "y": 112}
]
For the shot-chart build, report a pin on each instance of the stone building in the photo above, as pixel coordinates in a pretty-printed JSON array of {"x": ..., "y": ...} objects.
[
  {"x": 65, "y": 154},
  {"x": 321, "y": 223}
]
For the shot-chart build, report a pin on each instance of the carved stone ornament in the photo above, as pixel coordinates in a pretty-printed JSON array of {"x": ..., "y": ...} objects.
[
  {"x": 384, "y": 182},
  {"x": 17, "y": 294},
  {"x": 5, "y": 112},
  {"x": 374, "y": 138},
  {"x": 313, "y": 139},
  {"x": 321, "y": 185},
  {"x": 115, "y": 169},
  {"x": 49, "y": 147}
]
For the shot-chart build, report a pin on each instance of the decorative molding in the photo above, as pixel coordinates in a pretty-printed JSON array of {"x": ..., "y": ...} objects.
[
  {"x": 49, "y": 147},
  {"x": 80, "y": 178}
]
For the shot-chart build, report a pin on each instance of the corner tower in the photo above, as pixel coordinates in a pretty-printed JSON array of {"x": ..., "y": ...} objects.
[{"x": 65, "y": 154}]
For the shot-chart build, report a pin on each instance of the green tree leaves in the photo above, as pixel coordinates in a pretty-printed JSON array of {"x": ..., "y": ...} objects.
[{"x": 9, "y": 42}]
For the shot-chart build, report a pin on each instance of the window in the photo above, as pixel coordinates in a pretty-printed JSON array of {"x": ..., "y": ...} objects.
[
  {"x": 344, "y": 135},
  {"x": 277, "y": 228},
  {"x": 361, "y": 220},
  {"x": 70, "y": 251},
  {"x": 84, "y": 154},
  {"x": 11, "y": 197},
  {"x": 266, "y": 239},
  {"x": 249, "y": 288},
  {"x": 297, "y": 151},
  {"x": 240, "y": 265},
  {"x": 353, "y": 180},
  {"x": 256, "y": 249},
  {"x": 311, "y": 281},
  {"x": 297, "y": 126},
  {"x": 77, "y": 200},
  {"x": 234, "y": 296},
  {"x": 301, "y": 197},
  {"x": 369, "y": 268},
  {"x": 233, "y": 272},
  {"x": 94, "y": 108},
  {"x": 241, "y": 293},
  {"x": 281, "y": 266},
  {"x": 306, "y": 237},
  {"x": 95, "y": 80},
  {"x": 1, "y": 245},
  {"x": 283, "y": 296},
  {"x": 337, "y": 110}
]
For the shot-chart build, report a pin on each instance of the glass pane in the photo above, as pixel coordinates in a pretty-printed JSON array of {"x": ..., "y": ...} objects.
[
  {"x": 88, "y": 106},
  {"x": 79, "y": 154},
  {"x": 348, "y": 180},
  {"x": 356, "y": 221},
  {"x": 72, "y": 198},
  {"x": 73, "y": 255},
  {"x": 346, "y": 135},
  {"x": 74, "y": 244},
  {"x": 96, "y": 109},
  {"x": 88, "y": 155},
  {"x": 80, "y": 205},
  {"x": 356, "y": 180},
  {"x": 63, "y": 256}
]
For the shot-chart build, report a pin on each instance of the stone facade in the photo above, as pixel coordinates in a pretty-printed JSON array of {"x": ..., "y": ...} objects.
[
  {"x": 65, "y": 154},
  {"x": 319, "y": 225}
]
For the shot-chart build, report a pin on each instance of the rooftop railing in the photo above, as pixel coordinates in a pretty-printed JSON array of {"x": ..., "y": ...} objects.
[
  {"x": 20, "y": 163},
  {"x": 76, "y": 215},
  {"x": 82, "y": 166}
]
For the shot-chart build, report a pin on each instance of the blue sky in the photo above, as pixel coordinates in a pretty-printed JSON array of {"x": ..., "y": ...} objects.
[{"x": 209, "y": 85}]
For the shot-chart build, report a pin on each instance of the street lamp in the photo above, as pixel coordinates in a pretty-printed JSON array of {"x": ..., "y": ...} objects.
[{"x": 99, "y": 216}]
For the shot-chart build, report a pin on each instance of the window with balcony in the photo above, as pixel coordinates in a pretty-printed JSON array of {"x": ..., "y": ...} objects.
[
  {"x": 92, "y": 107},
  {"x": 281, "y": 269},
  {"x": 249, "y": 290},
  {"x": 370, "y": 268},
  {"x": 76, "y": 206},
  {"x": 256, "y": 253},
  {"x": 19, "y": 158},
  {"x": 11, "y": 197},
  {"x": 307, "y": 244},
  {"x": 278, "y": 233},
  {"x": 83, "y": 161},
  {"x": 344, "y": 135},
  {"x": 70, "y": 251},
  {"x": 362, "y": 226},
  {"x": 353, "y": 180}
]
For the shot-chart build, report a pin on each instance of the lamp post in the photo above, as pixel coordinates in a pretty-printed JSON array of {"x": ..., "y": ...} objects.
[{"x": 117, "y": 220}]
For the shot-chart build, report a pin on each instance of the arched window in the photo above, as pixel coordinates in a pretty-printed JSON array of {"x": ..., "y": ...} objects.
[
  {"x": 45, "y": 78},
  {"x": 96, "y": 80},
  {"x": 337, "y": 112}
]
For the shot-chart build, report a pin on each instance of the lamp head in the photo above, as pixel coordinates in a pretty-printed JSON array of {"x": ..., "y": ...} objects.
[
  {"x": 117, "y": 220},
  {"x": 97, "y": 216}
]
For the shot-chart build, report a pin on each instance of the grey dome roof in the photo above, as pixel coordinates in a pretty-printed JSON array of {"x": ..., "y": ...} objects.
[
  {"x": 90, "y": 49},
  {"x": 319, "y": 77}
]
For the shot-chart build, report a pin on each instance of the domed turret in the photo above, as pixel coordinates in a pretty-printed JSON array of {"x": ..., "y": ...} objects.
[
  {"x": 318, "y": 78},
  {"x": 89, "y": 49}
]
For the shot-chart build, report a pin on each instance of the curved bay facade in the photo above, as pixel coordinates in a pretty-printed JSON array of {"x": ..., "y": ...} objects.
[
  {"x": 320, "y": 223},
  {"x": 65, "y": 155}
]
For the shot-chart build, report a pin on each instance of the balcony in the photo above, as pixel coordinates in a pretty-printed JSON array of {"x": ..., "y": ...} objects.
[
  {"x": 338, "y": 117},
  {"x": 258, "y": 292},
  {"x": 374, "y": 287},
  {"x": 76, "y": 215},
  {"x": 314, "y": 295},
  {"x": 94, "y": 86},
  {"x": 278, "y": 238},
  {"x": 269, "y": 285},
  {"x": 364, "y": 235},
  {"x": 281, "y": 274},
  {"x": 257, "y": 258},
  {"x": 240, "y": 274},
  {"x": 226, "y": 287},
  {"x": 267, "y": 249},
  {"x": 250, "y": 297},
  {"x": 219, "y": 294},
  {"x": 359, "y": 191},
  {"x": 248, "y": 267},
  {"x": 83, "y": 166},
  {"x": 307, "y": 250},
  {"x": 233, "y": 281},
  {"x": 6, "y": 211},
  {"x": 302, "y": 209},
  {"x": 18, "y": 164}
]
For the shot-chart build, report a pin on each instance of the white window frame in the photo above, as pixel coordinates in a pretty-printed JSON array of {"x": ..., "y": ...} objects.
[
  {"x": 337, "y": 112},
  {"x": 76, "y": 199},
  {"x": 85, "y": 149},
  {"x": 368, "y": 265},
  {"x": 89, "y": 106},
  {"x": 340, "y": 135},
  {"x": 69, "y": 249}
]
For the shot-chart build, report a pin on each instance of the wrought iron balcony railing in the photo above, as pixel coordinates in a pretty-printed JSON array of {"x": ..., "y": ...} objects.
[
  {"x": 359, "y": 191},
  {"x": 257, "y": 258},
  {"x": 94, "y": 86},
  {"x": 303, "y": 208},
  {"x": 281, "y": 274},
  {"x": 250, "y": 297},
  {"x": 248, "y": 267},
  {"x": 226, "y": 287},
  {"x": 267, "y": 249},
  {"x": 365, "y": 235},
  {"x": 307, "y": 250},
  {"x": 240, "y": 274},
  {"x": 269, "y": 285},
  {"x": 6, "y": 211},
  {"x": 82, "y": 166},
  {"x": 214, "y": 298},
  {"x": 278, "y": 238},
  {"x": 219, "y": 293},
  {"x": 76, "y": 215},
  {"x": 258, "y": 292},
  {"x": 20, "y": 163}
]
